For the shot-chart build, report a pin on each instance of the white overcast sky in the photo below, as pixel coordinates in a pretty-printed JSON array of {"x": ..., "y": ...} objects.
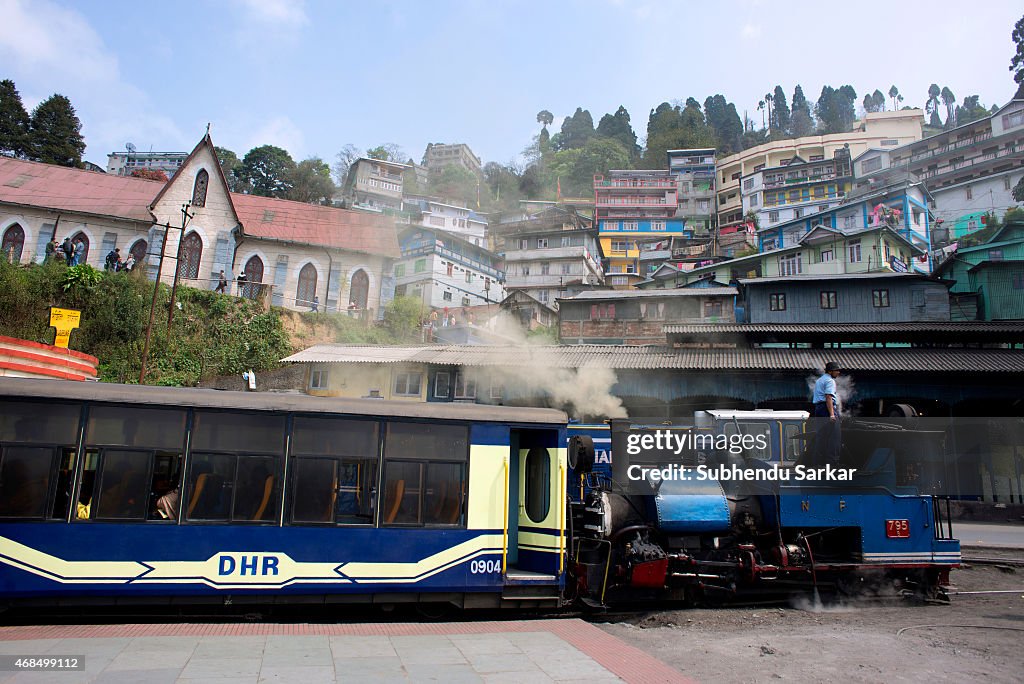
[{"x": 312, "y": 76}]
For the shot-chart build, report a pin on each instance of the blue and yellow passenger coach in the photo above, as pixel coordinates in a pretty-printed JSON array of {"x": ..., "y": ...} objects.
[{"x": 119, "y": 493}]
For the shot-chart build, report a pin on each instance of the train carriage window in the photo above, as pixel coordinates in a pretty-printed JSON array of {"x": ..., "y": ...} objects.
[
  {"x": 793, "y": 441},
  {"x": 753, "y": 429},
  {"x": 425, "y": 474},
  {"x": 335, "y": 470},
  {"x": 24, "y": 481},
  {"x": 538, "y": 484},
  {"x": 36, "y": 458},
  {"x": 235, "y": 470},
  {"x": 133, "y": 464}
]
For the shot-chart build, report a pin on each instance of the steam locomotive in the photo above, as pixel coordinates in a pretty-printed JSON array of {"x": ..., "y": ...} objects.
[{"x": 699, "y": 530}]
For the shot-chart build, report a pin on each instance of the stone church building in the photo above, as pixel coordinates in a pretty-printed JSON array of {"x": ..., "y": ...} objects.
[{"x": 294, "y": 251}]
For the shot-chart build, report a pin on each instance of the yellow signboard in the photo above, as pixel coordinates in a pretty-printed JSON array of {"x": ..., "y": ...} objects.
[{"x": 64, "y": 320}]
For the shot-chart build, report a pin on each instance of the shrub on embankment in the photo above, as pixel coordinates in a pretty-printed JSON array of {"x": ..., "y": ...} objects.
[{"x": 211, "y": 334}]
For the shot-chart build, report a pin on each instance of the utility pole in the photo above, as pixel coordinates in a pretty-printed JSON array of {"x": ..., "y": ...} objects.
[
  {"x": 152, "y": 305},
  {"x": 185, "y": 216}
]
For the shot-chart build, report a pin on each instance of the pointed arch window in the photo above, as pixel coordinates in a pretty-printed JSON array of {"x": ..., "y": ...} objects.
[
  {"x": 200, "y": 188},
  {"x": 307, "y": 286},
  {"x": 138, "y": 251},
  {"x": 360, "y": 290},
  {"x": 13, "y": 244},
  {"x": 253, "y": 277},
  {"x": 191, "y": 255},
  {"x": 81, "y": 257}
]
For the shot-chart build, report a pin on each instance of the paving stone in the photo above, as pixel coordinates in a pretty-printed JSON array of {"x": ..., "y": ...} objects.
[
  {"x": 209, "y": 668},
  {"x": 361, "y": 646},
  {"x": 161, "y": 676},
  {"x": 296, "y": 674},
  {"x": 449, "y": 674}
]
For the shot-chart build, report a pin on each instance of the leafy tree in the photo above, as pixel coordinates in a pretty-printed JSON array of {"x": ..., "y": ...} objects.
[
  {"x": 617, "y": 127},
  {"x": 879, "y": 100},
  {"x": 576, "y": 130},
  {"x": 344, "y": 161},
  {"x": 771, "y": 113},
  {"x": 14, "y": 122},
  {"x": 932, "y": 105},
  {"x": 752, "y": 138},
  {"x": 575, "y": 169},
  {"x": 1017, "y": 61},
  {"x": 761, "y": 108},
  {"x": 835, "y": 109},
  {"x": 725, "y": 122},
  {"x": 781, "y": 111},
  {"x": 949, "y": 102},
  {"x": 801, "y": 123},
  {"x": 971, "y": 110},
  {"x": 455, "y": 182},
  {"x": 672, "y": 128},
  {"x": 403, "y": 318},
  {"x": 386, "y": 152},
  {"x": 149, "y": 174},
  {"x": 267, "y": 170},
  {"x": 56, "y": 133},
  {"x": 311, "y": 182},
  {"x": 231, "y": 166},
  {"x": 545, "y": 118},
  {"x": 502, "y": 185},
  {"x": 894, "y": 93}
]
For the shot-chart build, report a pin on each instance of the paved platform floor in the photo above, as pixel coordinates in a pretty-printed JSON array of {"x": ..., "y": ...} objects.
[{"x": 528, "y": 651}]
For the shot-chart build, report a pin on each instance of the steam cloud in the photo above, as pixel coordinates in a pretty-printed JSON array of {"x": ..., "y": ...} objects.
[{"x": 846, "y": 389}]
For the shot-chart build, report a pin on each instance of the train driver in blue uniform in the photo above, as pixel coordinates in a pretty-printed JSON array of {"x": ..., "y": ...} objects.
[{"x": 827, "y": 407}]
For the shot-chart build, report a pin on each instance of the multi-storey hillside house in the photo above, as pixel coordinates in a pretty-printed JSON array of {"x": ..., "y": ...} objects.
[
  {"x": 445, "y": 270},
  {"x": 797, "y": 188},
  {"x": 550, "y": 254},
  {"x": 447, "y": 217},
  {"x": 374, "y": 184},
  {"x": 970, "y": 170},
  {"x": 882, "y": 130},
  {"x": 439, "y": 155},
  {"x": 123, "y": 163},
  {"x": 633, "y": 207},
  {"x": 694, "y": 171}
]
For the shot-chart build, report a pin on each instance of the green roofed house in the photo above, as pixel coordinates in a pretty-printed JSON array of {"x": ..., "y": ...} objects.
[{"x": 989, "y": 277}]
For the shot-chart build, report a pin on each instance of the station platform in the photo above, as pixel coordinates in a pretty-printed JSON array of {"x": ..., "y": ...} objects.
[{"x": 535, "y": 651}]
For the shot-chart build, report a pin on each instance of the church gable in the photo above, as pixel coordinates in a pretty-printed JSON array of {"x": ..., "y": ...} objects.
[{"x": 200, "y": 182}]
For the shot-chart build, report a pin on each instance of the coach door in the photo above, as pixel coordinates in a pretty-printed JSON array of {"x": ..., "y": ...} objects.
[{"x": 535, "y": 514}]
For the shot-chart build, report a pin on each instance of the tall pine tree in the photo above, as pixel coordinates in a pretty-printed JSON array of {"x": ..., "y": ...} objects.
[
  {"x": 617, "y": 127},
  {"x": 14, "y": 122},
  {"x": 801, "y": 123},
  {"x": 781, "y": 112},
  {"x": 56, "y": 133}
]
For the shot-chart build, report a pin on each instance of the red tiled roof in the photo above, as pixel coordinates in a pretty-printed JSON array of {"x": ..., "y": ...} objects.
[
  {"x": 74, "y": 190},
  {"x": 266, "y": 217}
]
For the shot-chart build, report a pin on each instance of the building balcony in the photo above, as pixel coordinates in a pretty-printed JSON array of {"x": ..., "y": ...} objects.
[
  {"x": 636, "y": 201},
  {"x": 789, "y": 182},
  {"x": 632, "y": 183},
  {"x": 545, "y": 254},
  {"x": 457, "y": 258},
  {"x": 974, "y": 161},
  {"x": 959, "y": 144}
]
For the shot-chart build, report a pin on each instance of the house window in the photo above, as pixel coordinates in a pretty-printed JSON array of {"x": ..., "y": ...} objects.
[
  {"x": 318, "y": 379},
  {"x": 773, "y": 217},
  {"x": 191, "y": 255},
  {"x": 848, "y": 221},
  {"x": 995, "y": 255},
  {"x": 566, "y": 268},
  {"x": 306, "y": 289},
  {"x": 399, "y": 270},
  {"x": 827, "y": 300},
  {"x": 777, "y": 302},
  {"x": 748, "y": 184},
  {"x": 713, "y": 308},
  {"x": 497, "y": 389},
  {"x": 736, "y": 175},
  {"x": 420, "y": 266},
  {"x": 545, "y": 268},
  {"x": 602, "y": 311},
  {"x": 791, "y": 265},
  {"x": 890, "y": 142},
  {"x": 542, "y": 243},
  {"x": 620, "y": 246},
  {"x": 447, "y": 296},
  {"x": 657, "y": 226},
  {"x": 465, "y": 388},
  {"x": 771, "y": 244},
  {"x": 442, "y": 385},
  {"x": 199, "y": 189},
  {"x": 797, "y": 213},
  {"x": 880, "y": 298},
  {"x": 970, "y": 193},
  {"x": 469, "y": 276},
  {"x": 703, "y": 205},
  {"x": 827, "y": 255},
  {"x": 524, "y": 244},
  {"x": 754, "y": 199},
  {"x": 870, "y": 165},
  {"x": 758, "y": 168},
  {"x": 630, "y": 225},
  {"x": 822, "y": 207},
  {"x": 611, "y": 225},
  {"x": 465, "y": 301},
  {"x": 526, "y": 269},
  {"x": 542, "y": 296},
  {"x": 407, "y": 384},
  {"x": 566, "y": 241},
  {"x": 855, "y": 255}
]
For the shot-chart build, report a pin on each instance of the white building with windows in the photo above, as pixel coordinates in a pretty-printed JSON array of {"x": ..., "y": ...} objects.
[
  {"x": 123, "y": 163},
  {"x": 446, "y": 271},
  {"x": 450, "y": 218}
]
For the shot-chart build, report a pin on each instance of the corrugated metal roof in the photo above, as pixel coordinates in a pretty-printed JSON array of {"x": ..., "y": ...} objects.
[
  {"x": 591, "y": 295},
  {"x": 832, "y": 276},
  {"x": 75, "y": 190},
  {"x": 826, "y": 328},
  {"x": 626, "y": 357}
]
